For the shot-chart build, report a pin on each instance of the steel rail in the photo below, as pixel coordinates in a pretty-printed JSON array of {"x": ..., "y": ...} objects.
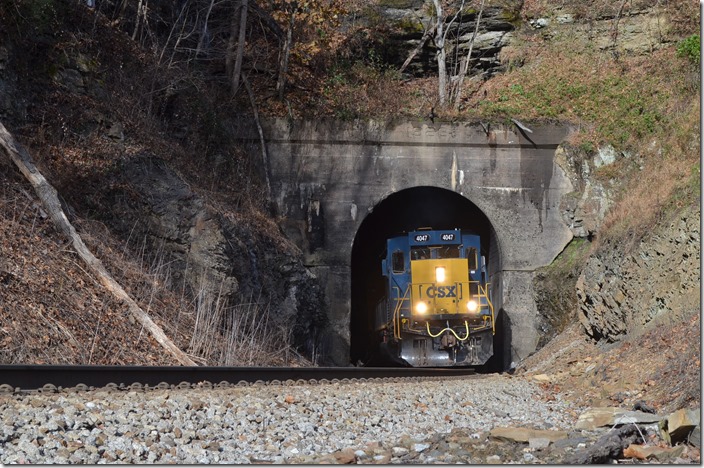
[{"x": 33, "y": 377}]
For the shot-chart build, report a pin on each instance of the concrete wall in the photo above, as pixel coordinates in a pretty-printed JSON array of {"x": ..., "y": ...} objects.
[{"x": 326, "y": 176}]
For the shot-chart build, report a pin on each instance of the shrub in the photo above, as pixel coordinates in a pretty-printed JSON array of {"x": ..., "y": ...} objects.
[{"x": 690, "y": 49}]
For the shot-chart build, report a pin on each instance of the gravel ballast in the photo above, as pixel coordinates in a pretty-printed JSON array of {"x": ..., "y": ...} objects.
[{"x": 374, "y": 420}]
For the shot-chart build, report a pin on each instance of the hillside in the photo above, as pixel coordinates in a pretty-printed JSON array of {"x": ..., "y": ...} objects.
[{"x": 131, "y": 118}]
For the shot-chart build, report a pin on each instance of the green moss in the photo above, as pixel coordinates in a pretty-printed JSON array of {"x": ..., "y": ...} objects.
[
  {"x": 554, "y": 284},
  {"x": 572, "y": 257},
  {"x": 512, "y": 16},
  {"x": 410, "y": 25}
]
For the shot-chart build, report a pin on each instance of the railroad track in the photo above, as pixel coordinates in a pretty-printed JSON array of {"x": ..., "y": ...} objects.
[{"x": 47, "y": 378}]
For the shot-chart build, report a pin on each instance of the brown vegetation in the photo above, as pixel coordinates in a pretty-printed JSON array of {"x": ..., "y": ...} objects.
[{"x": 155, "y": 95}]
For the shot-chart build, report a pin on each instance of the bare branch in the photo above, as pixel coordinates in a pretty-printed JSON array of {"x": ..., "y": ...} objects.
[
  {"x": 426, "y": 35},
  {"x": 265, "y": 156},
  {"x": 467, "y": 59}
]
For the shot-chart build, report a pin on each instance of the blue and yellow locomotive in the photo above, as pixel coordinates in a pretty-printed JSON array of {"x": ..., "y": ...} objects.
[{"x": 437, "y": 311}]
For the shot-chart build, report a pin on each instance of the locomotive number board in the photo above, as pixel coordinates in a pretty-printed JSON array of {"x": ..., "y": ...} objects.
[{"x": 434, "y": 237}]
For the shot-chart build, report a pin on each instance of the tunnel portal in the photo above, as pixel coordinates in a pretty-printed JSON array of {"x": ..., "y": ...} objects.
[
  {"x": 400, "y": 212},
  {"x": 341, "y": 188}
]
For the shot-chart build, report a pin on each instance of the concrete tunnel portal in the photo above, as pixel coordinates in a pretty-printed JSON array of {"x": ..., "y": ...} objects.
[
  {"x": 400, "y": 212},
  {"x": 342, "y": 188}
]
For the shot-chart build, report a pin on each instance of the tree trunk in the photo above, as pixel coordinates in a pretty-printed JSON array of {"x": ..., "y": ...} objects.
[
  {"x": 136, "y": 21},
  {"x": 441, "y": 54},
  {"x": 237, "y": 71},
  {"x": 265, "y": 155},
  {"x": 47, "y": 194},
  {"x": 465, "y": 64},
  {"x": 283, "y": 63},
  {"x": 204, "y": 33}
]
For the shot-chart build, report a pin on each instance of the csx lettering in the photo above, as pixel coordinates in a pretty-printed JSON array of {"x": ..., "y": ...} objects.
[{"x": 441, "y": 291}]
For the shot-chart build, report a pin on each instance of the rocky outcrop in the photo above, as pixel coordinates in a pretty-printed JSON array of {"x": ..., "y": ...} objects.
[
  {"x": 621, "y": 292},
  {"x": 630, "y": 31},
  {"x": 408, "y": 20},
  {"x": 583, "y": 210},
  {"x": 215, "y": 258}
]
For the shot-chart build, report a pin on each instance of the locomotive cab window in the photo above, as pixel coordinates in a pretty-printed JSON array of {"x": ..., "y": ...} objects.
[
  {"x": 472, "y": 258},
  {"x": 398, "y": 262},
  {"x": 449, "y": 251},
  {"x": 420, "y": 253}
]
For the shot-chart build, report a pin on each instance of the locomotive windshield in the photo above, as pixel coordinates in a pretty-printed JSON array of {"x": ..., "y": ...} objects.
[{"x": 435, "y": 251}]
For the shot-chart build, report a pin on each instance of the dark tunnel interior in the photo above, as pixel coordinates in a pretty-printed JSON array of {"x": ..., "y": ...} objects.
[{"x": 401, "y": 212}]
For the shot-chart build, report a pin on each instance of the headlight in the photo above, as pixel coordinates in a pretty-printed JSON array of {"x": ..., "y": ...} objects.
[
  {"x": 472, "y": 305},
  {"x": 440, "y": 274},
  {"x": 421, "y": 307}
]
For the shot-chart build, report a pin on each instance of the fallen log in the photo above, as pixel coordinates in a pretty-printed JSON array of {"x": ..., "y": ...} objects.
[{"x": 47, "y": 194}]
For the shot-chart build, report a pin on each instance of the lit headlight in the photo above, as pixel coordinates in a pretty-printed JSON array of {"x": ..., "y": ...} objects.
[
  {"x": 421, "y": 307},
  {"x": 472, "y": 305},
  {"x": 440, "y": 274}
]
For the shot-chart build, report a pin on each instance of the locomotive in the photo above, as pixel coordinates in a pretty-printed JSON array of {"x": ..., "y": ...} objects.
[{"x": 437, "y": 311}]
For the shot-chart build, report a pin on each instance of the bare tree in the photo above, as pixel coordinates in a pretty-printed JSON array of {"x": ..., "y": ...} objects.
[
  {"x": 441, "y": 30},
  {"x": 140, "y": 6},
  {"x": 205, "y": 33},
  {"x": 50, "y": 200},
  {"x": 441, "y": 54},
  {"x": 233, "y": 59},
  {"x": 286, "y": 52},
  {"x": 426, "y": 35},
  {"x": 464, "y": 67}
]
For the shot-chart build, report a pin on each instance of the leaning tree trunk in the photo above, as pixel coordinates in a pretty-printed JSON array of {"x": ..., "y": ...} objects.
[
  {"x": 47, "y": 194},
  {"x": 426, "y": 35}
]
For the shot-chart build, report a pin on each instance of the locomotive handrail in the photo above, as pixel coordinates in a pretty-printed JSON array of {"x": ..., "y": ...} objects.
[
  {"x": 397, "y": 311},
  {"x": 466, "y": 336},
  {"x": 491, "y": 307}
]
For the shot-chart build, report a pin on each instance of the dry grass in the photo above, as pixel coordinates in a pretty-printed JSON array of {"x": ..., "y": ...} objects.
[
  {"x": 211, "y": 329},
  {"x": 647, "y": 107},
  {"x": 242, "y": 335},
  {"x": 668, "y": 181},
  {"x": 52, "y": 311}
]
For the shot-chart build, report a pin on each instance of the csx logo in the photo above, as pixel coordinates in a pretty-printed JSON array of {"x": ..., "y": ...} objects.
[{"x": 441, "y": 291}]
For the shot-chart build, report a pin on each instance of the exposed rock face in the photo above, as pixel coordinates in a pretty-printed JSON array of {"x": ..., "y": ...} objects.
[
  {"x": 213, "y": 257},
  {"x": 583, "y": 210},
  {"x": 409, "y": 20},
  {"x": 176, "y": 222},
  {"x": 632, "y": 31},
  {"x": 621, "y": 293}
]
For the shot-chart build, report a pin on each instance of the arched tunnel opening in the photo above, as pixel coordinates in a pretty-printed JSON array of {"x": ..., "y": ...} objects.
[{"x": 405, "y": 211}]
